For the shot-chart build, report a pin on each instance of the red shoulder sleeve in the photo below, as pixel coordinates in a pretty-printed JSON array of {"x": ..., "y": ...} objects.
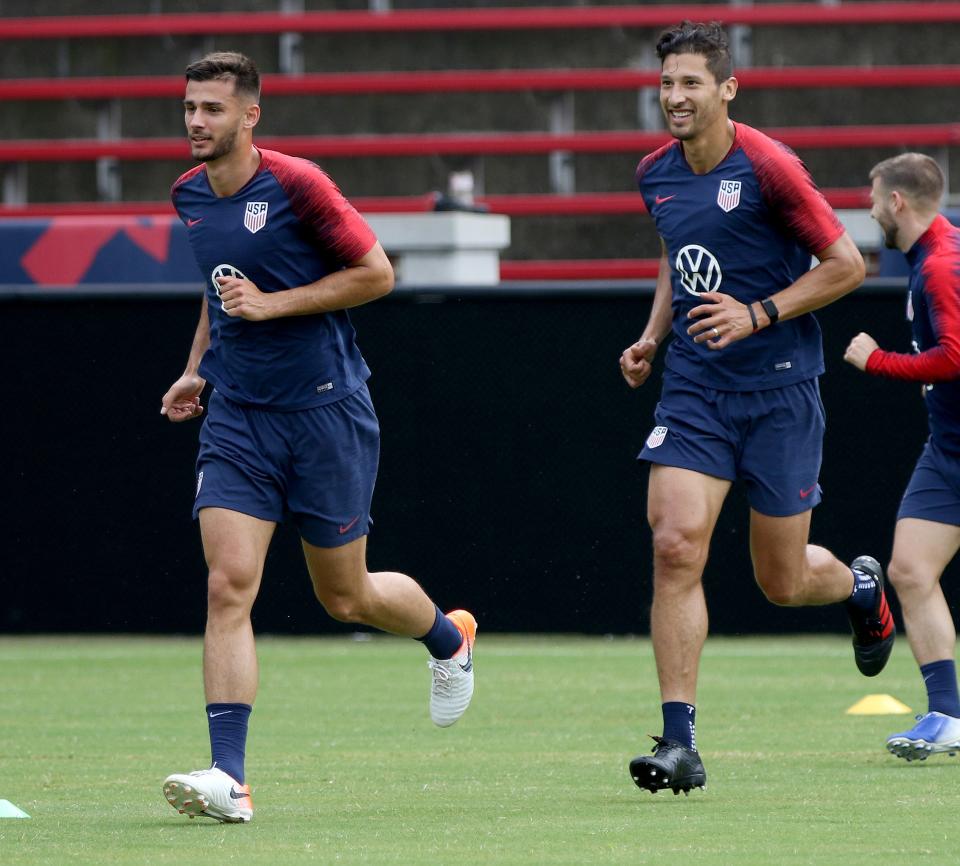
[
  {"x": 941, "y": 362},
  {"x": 789, "y": 191},
  {"x": 180, "y": 181},
  {"x": 338, "y": 231}
]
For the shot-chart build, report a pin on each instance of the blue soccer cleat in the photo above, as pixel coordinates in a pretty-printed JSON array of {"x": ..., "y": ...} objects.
[{"x": 933, "y": 733}]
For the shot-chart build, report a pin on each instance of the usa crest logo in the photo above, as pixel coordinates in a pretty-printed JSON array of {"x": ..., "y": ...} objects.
[
  {"x": 728, "y": 196},
  {"x": 656, "y": 437},
  {"x": 255, "y": 216}
]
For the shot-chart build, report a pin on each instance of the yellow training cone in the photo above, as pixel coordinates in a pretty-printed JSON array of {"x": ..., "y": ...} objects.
[{"x": 878, "y": 705}]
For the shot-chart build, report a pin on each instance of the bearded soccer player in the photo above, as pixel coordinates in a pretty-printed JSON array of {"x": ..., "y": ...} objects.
[
  {"x": 739, "y": 217},
  {"x": 906, "y": 192},
  {"x": 290, "y": 430}
]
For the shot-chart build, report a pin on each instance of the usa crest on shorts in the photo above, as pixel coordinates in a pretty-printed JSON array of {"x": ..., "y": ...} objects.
[
  {"x": 255, "y": 216},
  {"x": 728, "y": 196},
  {"x": 656, "y": 437}
]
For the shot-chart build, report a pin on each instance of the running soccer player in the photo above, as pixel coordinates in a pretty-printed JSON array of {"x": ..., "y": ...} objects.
[
  {"x": 738, "y": 217},
  {"x": 906, "y": 192},
  {"x": 290, "y": 430}
]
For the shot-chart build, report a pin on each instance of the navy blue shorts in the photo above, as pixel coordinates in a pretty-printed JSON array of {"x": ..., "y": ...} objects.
[
  {"x": 772, "y": 439},
  {"x": 316, "y": 466},
  {"x": 934, "y": 489}
]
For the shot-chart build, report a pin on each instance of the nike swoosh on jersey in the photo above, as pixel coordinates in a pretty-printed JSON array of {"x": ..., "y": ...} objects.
[
  {"x": 660, "y": 199},
  {"x": 805, "y": 493},
  {"x": 192, "y": 223}
]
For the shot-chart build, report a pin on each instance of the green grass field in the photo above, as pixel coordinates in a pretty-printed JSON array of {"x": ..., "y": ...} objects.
[{"x": 346, "y": 767}]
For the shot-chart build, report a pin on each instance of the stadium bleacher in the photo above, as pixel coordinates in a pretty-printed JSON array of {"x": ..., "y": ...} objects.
[{"x": 513, "y": 176}]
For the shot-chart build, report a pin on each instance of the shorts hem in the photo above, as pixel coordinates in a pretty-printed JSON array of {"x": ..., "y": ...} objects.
[
  {"x": 785, "y": 512},
  {"x": 912, "y": 514},
  {"x": 338, "y": 541},
  {"x": 231, "y": 506},
  {"x": 679, "y": 464}
]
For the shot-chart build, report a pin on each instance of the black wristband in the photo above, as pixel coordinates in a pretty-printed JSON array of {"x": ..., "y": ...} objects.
[
  {"x": 753, "y": 317},
  {"x": 770, "y": 308}
]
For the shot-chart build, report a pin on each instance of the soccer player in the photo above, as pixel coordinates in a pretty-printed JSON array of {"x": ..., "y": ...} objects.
[
  {"x": 906, "y": 192},
  {"x": 738, "y": 217},
  {"x": 290, "y": 431}
]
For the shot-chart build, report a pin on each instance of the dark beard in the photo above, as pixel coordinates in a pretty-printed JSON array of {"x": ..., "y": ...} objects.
[
  {"x": 222, "y": 149},
  {"x": 890, "y": 237}
]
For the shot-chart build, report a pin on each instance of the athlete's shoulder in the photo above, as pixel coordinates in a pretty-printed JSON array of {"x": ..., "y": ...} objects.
[
  {"x": 321, "y": 208},
  {"x": 944, "y": 237},
  {"x": 767, "y": 154},
  {"x": 186, "y": 178},
  {"x": 291, "y": 169},
  {"x": 788, "y": 189},
  {"x": 940, "y": 246},
  {"x": 659, "y": 157}
]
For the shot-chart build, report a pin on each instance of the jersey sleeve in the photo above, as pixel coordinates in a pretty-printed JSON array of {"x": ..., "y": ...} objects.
[
  {"x": 941, "y": 362},
  {"x": 333, "y": 224},
  {"x": 177, "y": 188},
  {"x": 791, "y": 194}
]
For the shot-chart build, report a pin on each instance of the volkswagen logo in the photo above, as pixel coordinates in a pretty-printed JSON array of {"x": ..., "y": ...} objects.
[{"x": 699, "y": 269}]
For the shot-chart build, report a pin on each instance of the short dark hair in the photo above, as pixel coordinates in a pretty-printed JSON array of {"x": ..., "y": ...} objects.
[
  {"x": 227, "y": 65},
  {"x": 915, "y": 175},
  {"x": 708, "y": 40}
]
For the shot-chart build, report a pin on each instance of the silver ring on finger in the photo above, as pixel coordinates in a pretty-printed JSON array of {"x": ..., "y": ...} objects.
[{"x": 716, "y": 333}]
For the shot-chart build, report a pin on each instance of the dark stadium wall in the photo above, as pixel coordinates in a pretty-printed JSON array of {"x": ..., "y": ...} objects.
[{"x": 508, "y": 482}]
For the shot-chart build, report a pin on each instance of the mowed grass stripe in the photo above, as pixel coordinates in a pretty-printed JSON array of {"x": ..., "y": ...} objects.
[{"x": 346, "y": 767}]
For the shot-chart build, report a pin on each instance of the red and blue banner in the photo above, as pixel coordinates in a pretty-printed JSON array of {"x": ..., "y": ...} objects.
[{"x": 77, "y": 251}]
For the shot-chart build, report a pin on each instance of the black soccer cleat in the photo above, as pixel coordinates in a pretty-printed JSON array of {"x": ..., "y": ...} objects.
[
  {"x": 672, "y": 765},
  {"x": 874, "y": 632}
]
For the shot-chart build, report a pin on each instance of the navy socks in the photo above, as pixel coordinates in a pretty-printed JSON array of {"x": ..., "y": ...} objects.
[
  {"x": 940, "y": 678},
  {"x": 679, "y": 723},
  {"x": 864, "y": 595},
  {"x": 444, "y": 639},
  {"x": 228, "y": 737}
]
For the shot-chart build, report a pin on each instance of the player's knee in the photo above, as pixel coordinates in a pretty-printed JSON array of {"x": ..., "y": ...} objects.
[
  {"x": 783, "y": 580},
  {"x": 226, "y": 591},
  {"x": 781, "y": 593},
  {"x": 344, "y": 607},
  {"x": 677, "y": 549},
  {"x": 905, "y": 578}
]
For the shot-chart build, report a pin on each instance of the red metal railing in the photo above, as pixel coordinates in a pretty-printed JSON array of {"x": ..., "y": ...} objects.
[
  {"x": 542, "y": 18},
  {"x": 480, "y": 81},
  {"x": 353, "y": 146}
]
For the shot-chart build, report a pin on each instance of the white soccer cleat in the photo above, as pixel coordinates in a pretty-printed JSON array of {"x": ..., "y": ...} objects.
[
  {"x": 452, "y": 685},
  {"x": 209, "y": 794}
]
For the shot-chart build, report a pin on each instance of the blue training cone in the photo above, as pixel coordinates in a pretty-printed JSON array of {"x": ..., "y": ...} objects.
[{"x": 8, "y": 810}]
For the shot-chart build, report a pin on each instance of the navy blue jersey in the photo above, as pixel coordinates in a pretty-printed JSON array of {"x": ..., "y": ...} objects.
[
  {"x": 287, "y": 227},
  {"x": 748, "y": 229},
  {"x": 933, "y": 307}
]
